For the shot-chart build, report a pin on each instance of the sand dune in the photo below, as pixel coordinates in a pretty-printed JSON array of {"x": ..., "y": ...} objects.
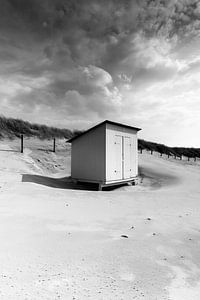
[{"x": 63, "y": 242}]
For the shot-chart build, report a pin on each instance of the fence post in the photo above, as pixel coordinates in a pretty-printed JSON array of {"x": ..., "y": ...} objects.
[
  {"x": 140, "y": 150},
  {"x": 22, "y": 143},
  {"x": 160, "y": 153},
  {"x": 151, "y": 152},
  {"x": 168, "y": 155},
  {"x": 54, "y": 145},
  {"x": 188, "y": 158},
  {"x": 195, "y": 158}
]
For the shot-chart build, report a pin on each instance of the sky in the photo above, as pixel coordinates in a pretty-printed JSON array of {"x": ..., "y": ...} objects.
[{"x": 74, "y": 63}]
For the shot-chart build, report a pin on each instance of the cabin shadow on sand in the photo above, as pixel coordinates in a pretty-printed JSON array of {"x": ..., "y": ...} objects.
[{"x": 61, "y": 183}]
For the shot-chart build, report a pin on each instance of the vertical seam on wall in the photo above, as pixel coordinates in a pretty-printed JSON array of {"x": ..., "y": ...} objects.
[
  {"x": 105, "y": 156},
  {"x": 136, "y": 154}
]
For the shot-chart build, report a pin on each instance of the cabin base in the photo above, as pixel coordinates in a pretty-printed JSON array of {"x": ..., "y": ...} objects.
[
  {"x": 131, "y": 181},
  {"x": 101, "y": 185}
]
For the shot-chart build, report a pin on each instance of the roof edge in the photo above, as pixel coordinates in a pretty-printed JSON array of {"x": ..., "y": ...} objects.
[{"x": 99, "y": 124}]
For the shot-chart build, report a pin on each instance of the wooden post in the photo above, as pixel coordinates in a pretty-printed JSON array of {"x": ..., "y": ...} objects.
[
  {"x": 151, "y": 152},
  {"x": 168, "y": 155},
  {"x": 54, "y": 145},
  {"x": 140, "y": 150},
  {"x": 160, "y": 153},
  {"x": 195, "y": 158},
  {"x": 22, "y": 143},
  {"x": 188, "y": 158}
]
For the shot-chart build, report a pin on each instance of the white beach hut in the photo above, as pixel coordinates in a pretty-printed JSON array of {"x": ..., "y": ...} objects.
[{"x": 105, "y": 154}]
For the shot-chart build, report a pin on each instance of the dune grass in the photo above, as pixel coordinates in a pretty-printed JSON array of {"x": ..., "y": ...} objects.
[
  {"x": 11, "y": 128},
  {"x": 171, "y": 151}
]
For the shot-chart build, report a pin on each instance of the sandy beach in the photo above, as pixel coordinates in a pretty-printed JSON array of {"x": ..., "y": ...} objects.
[{"x": 133, "y": 242}]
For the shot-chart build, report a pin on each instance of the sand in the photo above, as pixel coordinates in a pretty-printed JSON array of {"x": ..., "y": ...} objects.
[{"x": 60, "y": 242}]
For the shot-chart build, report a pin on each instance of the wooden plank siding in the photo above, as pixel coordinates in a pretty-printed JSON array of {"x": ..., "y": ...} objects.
[
  {"x": 113, "y": 134},
  {"x": 88, "y": 156}
]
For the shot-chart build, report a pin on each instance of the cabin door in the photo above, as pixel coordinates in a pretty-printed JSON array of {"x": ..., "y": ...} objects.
[
  {"x": 126, "y": 157},
  {"x": 118, "y": 164},
  {"x": 122, "y": 157}
]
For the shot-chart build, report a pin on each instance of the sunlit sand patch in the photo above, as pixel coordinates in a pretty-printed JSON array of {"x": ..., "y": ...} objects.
[
  {"x": 127, "y": 277},
  {"x": 180, "y": 288},
  {"x": 184, "y": 284},
  {"x": 166, "y": 250},
  {"x": 68, "y": 227},
  {"x": 55, "y": 283},
  {"x": 93, "y": 252}
]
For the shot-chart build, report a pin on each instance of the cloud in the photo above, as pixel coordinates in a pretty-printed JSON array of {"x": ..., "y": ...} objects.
[
  {"x": 95, "y": 76},
  {"x": 89, "y": 60},
  {"x": 84, "y": 92}
]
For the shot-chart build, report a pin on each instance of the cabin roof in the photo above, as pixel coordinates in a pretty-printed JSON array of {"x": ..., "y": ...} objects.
[{"x": 104, "y": 122}]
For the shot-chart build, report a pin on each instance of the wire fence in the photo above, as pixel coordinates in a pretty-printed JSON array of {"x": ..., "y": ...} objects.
[
  {"x": 44, "y": 145},
  {"x": 35, "y": 144},
  {"x": 56, "y": 145},
  {"x": 170, "y": 155}
]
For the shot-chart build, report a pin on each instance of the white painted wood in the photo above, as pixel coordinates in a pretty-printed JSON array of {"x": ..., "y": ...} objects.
[
  {"x": 129, "y": 164},
  {"x": 117, "y": 154},
  {"x": 127, "y": 157},
  {"x": 106, "y": 154},
  {"x": 88, "y": 156},
  {"x": 134, "y": 156}
]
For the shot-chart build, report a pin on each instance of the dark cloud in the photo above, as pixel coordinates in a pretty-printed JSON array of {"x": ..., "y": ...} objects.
[
  {"x": 85, "y": 59},
  {"x": 94, "y": 32}
]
